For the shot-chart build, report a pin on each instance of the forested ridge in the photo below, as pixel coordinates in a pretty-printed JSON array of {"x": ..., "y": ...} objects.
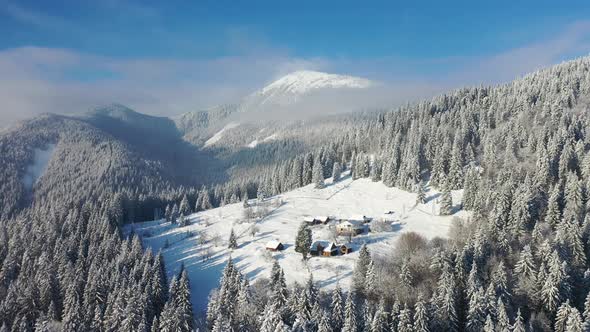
[{"x": 519, "y": 150}]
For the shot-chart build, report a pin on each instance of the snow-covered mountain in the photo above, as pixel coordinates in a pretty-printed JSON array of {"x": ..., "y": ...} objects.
[{"x": 298, "y": 86}]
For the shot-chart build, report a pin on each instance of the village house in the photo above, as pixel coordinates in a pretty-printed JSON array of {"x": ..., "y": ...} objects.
[
  {"x": 274, "y": 245},
  {"x": 350, "y": 227}
]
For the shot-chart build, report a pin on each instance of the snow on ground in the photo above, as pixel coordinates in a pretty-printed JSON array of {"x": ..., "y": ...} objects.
[
  {"x": 34, "y": 171},
  {"x": 218, "y": 135},
  {"x": 341, "y": 200},
  {"x": 255, "y": 142},
  {"x": 270, "y": 138}
]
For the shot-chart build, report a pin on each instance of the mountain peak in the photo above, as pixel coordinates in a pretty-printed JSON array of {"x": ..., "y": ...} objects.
[{"x": 303, "y": 81}]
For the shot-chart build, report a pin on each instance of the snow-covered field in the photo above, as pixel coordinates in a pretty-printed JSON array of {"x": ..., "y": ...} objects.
[{"x": 205, "y": 261}]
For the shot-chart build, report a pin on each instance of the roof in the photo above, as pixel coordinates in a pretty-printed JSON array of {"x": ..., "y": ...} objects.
[
  {"x": 274, "y": 244},
  {"x": 330, "y": 247},
  {"x": 322, "y": 218},
  {"x": 358, "y": 217},
  {"x": 308, "y": 219},
  {"x": 315, "y": 244}
]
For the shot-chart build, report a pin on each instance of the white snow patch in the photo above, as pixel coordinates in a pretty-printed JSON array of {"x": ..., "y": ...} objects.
[
  {"x": 218, "y": 135},
  {"x": 271, "y": 137},
  {"x": 34, "y": 171},
  {"x": 337, "y": 200},
  {"x": 253, "y": 144}
]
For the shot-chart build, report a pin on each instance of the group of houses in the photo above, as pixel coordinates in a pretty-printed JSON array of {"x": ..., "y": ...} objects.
[
  {"x": 352, "y": 226},
  {"x": 349, "y": 227},
  {"x": 318, "y": 248}
]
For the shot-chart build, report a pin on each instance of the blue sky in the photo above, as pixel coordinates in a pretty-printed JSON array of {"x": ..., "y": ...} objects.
[{"x": 175, "y": 56}]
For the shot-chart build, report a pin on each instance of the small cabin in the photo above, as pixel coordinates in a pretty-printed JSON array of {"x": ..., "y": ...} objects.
[
  {"x": 274, "y": 246},
  {"x": 344, "y": 249},
  {"x": 350, "y": 227}
]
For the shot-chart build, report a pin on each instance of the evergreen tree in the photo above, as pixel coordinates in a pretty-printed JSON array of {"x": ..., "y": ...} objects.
[
  {"x": 421, "y": 317},
  {"x": 337, "y": 309},
  {"x": 420, "y": 193},
  {"x": 446, "y": 202},
  {"x": 360, "y": 271},
  {"x": 518, "y": 323},
  {"x": 318, "y": 175},
  {"x": 303, "y": 240},
  {"x": 233, "y": 241},
  {"x": 336, "y": 172},
  {"x": 350, "y": 320}
]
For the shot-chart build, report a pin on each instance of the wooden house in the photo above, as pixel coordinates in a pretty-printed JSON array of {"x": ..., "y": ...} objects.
[
  {"x": 324, "y": 248},
  {"x": 274, "y": 245}
]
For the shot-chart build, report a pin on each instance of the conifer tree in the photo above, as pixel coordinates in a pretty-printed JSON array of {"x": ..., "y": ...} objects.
[
  {"x": 421, "y": 317},
  {"x": 336, "y": 172},
  {"x": 303, "y": 240},
  {"x": 360, "y": 271},
  {"x": 337, "y": 309},
  {"x": 420, "y": 193},
  {"x": 318, "y": 175},
  {"x": 350, "y": 319},
  {"x": 233, "y": 241},
  {"x": 446, "y": 202}
]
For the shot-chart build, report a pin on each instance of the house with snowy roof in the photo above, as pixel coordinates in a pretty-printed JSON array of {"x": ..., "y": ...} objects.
[
  {"x": 324, "y": 248},
  {"x": 274, "y": 245}
]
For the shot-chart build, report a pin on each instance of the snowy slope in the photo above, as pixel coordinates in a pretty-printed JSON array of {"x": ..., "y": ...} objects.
[
  {"x": 343, "y": 199},
  {"x": 218, "y": 135}
]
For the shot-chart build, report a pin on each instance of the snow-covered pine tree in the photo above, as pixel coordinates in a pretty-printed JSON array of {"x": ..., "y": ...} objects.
[
  {"x": 184, "y": 207},
  {"x": 420, "y": 193},
  {"x": 233, "y": 240},
  {"x": 318, "y": 174},
  {"x": 360, "y": 271},
  {"x": 446, "y": 202},
  {"x": 336, "y": 172},
  {"x": 303, "y": 240},
  {"x": 421, "y": 316},
  {"x": 350, "y": 318},
  {"x": 337, "y": 309},
  {"x": 518, "y": 323}
]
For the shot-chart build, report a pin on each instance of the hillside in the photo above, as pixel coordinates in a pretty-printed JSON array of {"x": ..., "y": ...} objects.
[{"x": 204, "y": 252}]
